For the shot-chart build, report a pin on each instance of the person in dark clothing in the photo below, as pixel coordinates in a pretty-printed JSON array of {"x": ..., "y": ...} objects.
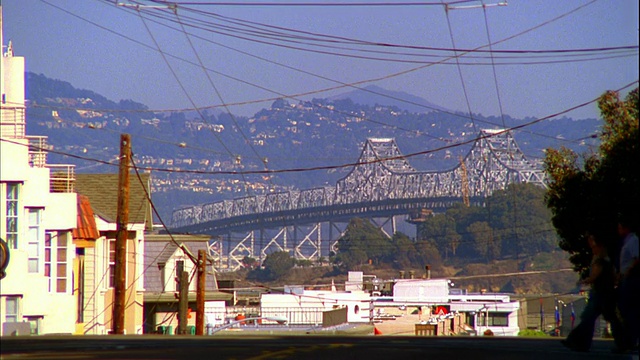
[
  {"x": 629, "y": 281},
  {"x": 601, "y": 301}
]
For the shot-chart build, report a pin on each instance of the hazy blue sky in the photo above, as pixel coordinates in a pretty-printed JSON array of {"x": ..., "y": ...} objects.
[{"x": 64, "y": 40}]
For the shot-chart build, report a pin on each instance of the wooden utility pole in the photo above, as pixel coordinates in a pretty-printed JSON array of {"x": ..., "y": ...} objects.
[
  {"x": 183, "y": 303},
  {"x": 122, "y": 219},
  {"x": 202, "y": 275}
]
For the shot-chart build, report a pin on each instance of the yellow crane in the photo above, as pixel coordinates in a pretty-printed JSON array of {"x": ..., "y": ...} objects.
[{"x": 465, "y": 182}]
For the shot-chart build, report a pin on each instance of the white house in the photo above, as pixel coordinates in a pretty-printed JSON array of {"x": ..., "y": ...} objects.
[
  {"x": 301, "y": 306},
  {"x": 165, "y": 257},
  {"x": 38, "y": 211},
  {"x": 495, "y": 312},
  {"x": 483, "y": 311}
]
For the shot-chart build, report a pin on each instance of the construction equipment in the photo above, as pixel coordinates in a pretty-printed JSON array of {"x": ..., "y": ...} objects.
[{"x": 465, "y": 182}]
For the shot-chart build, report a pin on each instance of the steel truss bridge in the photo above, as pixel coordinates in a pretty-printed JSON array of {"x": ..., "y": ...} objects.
[{"x": 380, "y": 187}]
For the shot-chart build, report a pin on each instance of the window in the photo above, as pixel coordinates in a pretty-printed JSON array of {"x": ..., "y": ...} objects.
[
  {"x": 11, "y": 312},
  {"x": 47, "y": 256},
  {"x": 61, "y": 263},
  {"x": 34, "y": 323},
  {"x": 33, "y": 238},
  {"x": 112, "y": 262},
  {"x": 494, "y": 319},
  {"x": 55, "y": 261},
  {"x": 12, "y": 215}
]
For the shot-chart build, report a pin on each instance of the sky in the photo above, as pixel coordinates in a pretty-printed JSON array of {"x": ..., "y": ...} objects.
[{"x": 247, "y": 54}]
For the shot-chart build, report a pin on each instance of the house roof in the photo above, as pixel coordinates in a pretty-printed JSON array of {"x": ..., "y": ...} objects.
[
  {"x": 86, "y": 228},
  {"x": 102, "y": 191},
  {"x": 158, "y": 248}
]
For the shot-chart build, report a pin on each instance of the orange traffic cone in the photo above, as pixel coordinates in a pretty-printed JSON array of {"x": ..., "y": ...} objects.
[{"x": 376, "y": 331}]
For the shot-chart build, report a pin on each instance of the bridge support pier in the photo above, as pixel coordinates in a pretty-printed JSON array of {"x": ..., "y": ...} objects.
[
  {"x": 308, "y": 243},
  {"x": 243, "y": 248},
  {"x": 274, "y": 243}
]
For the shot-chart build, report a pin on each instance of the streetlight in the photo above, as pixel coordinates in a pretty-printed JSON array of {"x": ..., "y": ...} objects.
[{"x": 279, "y": 320}]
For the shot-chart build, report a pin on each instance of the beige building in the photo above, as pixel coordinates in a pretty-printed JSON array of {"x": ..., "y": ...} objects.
[{"x": 99, "y": 260}]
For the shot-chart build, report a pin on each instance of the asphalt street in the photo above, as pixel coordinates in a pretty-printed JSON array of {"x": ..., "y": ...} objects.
[{"x": 296, "y": 347}]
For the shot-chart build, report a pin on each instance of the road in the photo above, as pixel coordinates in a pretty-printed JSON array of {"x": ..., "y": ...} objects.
[{"x": 295, "y": 347}]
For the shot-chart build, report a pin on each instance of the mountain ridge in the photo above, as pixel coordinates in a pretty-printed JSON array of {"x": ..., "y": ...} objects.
[{"x": 374, "y": 95}]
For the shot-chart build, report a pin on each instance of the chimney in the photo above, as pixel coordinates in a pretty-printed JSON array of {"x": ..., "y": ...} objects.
[
  {"x": 427, "y": 270},
  {"x": 412, "y": 274},
  {"x": 401, "y": 274}
]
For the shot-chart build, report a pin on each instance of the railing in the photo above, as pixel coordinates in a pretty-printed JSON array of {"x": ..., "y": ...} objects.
[
  {"x": 62, "y": 178},
  {"x": 295, "y": 315},
  {"x": 12, "y": 122},
  {"x": 37, "y": 151}
]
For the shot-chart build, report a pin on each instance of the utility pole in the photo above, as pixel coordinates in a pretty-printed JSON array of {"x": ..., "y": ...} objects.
[
  {"x": 183, "y": 303},
  {"x": 122, "y": 219},
  {"x": 202, "y": 274}
]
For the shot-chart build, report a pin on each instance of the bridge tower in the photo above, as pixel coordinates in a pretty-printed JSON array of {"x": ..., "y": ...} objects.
[{"x": 382, "y": 186}]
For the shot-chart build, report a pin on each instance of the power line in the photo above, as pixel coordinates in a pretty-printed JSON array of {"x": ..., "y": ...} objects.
[
  {"x": 187, "y": 94},
  {"x": 281, "y": 40},
  {"x": 352, "y": 41},
  {"x": 354, "y": 85},
  {"x": 311, "y": 4}
]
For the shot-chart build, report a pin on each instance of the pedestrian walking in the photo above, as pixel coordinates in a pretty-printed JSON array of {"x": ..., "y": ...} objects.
[
  {"x": 601, "y": 300},
  {"x": 629, "y": 281}
]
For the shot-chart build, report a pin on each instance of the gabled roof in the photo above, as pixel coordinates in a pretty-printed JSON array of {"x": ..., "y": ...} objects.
[
  {"x": 86, "y": 228},
  {"x": 158, "y": 248},
  {"x": 102, "y": 191}
]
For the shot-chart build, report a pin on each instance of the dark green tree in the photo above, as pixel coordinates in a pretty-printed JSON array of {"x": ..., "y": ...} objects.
[
  {"x": 362, "y": 242},
  {"x": 277, "y": 264},
  {"x": 249, "y": 262},
  {"x": 484, "y": 241},
  {"x": 520, "y": 220},
  {"x": 441, "y": 230},
  {"x": 404, "y": 254},
  {"x": 589, "y": 193},
  {"x": 428, "y": 254}
]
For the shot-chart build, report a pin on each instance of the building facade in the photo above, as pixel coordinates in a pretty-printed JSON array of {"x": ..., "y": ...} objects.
[{"x": 37, "y": 216}]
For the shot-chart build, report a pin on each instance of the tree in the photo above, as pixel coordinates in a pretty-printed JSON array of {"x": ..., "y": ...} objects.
[
  {"x": 520, "y": 220},
  {"x": 404, "y": 254},
  {"x": 590, "y": 194},
  {"x": 249, "y": 262},
  {"x": 277, "y": 264},
  {"x": 304, "y": 263},
  {"x": 362, "y": 242},
  {"x": 427, "y": 254},
  {"x": 483, "y": 240},
  {"x": 441, "y": 230}
]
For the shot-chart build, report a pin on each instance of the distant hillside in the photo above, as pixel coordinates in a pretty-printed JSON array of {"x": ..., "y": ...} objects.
[
  {"x": 287, "y": 135},
  {"x": 374, "y": 95},
  {"x": 41, "y": 89}
]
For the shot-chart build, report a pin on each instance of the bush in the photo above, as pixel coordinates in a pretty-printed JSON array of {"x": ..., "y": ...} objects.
[{"x": 532, "y": 333}]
